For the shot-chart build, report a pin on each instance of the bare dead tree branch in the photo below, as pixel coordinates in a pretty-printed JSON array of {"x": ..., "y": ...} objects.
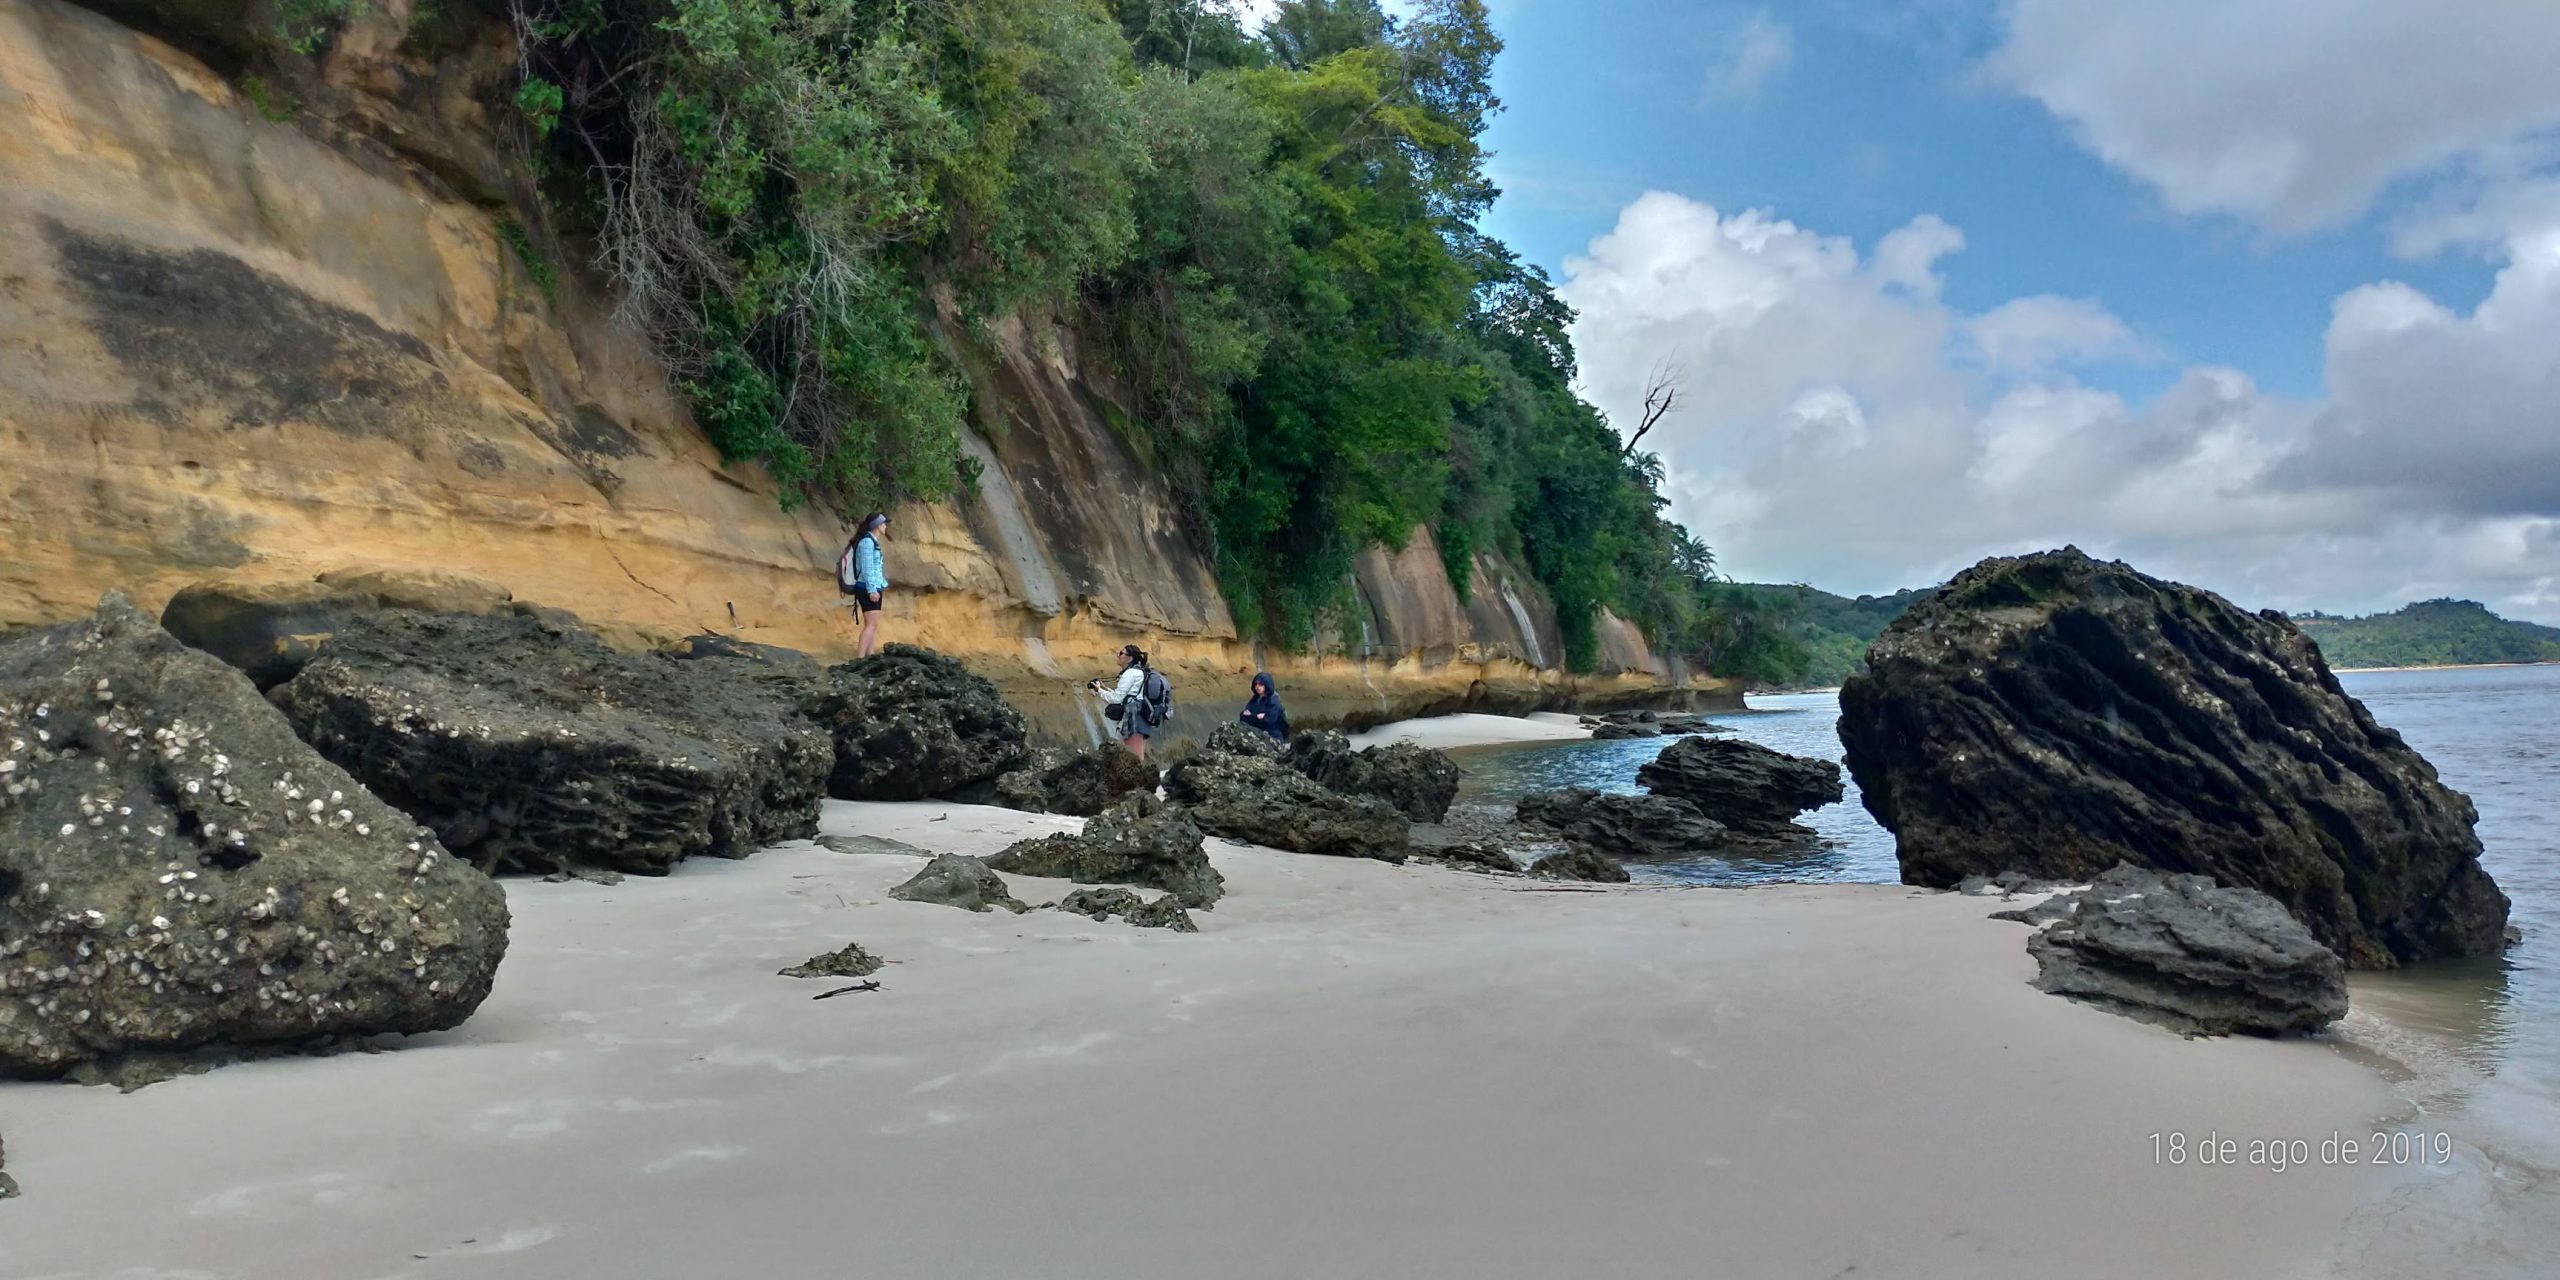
[{"x": 1661, "y": 395}]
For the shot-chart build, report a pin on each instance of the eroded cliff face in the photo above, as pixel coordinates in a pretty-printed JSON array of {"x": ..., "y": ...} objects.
[{"x": 259, "y": 351}]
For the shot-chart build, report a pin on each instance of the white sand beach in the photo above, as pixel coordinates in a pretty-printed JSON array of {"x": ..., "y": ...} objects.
[{"x": 1354, "y": 1070}]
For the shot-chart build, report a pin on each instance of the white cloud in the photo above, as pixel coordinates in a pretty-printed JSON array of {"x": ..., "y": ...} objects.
[
  {"x": 2026, "y": 335},
  {"x": 1843, "y": 425},
  {"x": 2291, "y": 113},
  {"x": 1752, "y": 55}
]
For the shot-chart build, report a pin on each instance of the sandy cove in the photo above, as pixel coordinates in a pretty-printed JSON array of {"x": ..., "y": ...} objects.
[{"x": 1354, "y": 1070}]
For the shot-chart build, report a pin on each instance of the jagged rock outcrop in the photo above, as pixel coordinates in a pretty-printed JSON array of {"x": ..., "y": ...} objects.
[
  {"x": 911, "y": 723},
  {"x": 952, "y": 880},
  {"x": 1580, "y": 862},
  {"x": 1642, "y": 826},
  {"x": 531, "y": 747},
  {"x": 2186, "y": 953},
  {"x": 1417, "y": 782},
  {"x": 1236, "y": 740},
  {"x": 1140, "y": 842},
  {"x": 1263, "y": 801},
  {"x": 1164, "y": 912},
  {"x": 847, "y": 961},
  {"x": 178, "y": 872},
  {"x": 1076, "y": 783},
  {"x": 1747, "y": 787},
  {"x": 2056, "y": 715}
]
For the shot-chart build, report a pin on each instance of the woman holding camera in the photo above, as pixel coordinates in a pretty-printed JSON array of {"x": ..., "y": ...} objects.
[{"x": 1124, "y": 703}]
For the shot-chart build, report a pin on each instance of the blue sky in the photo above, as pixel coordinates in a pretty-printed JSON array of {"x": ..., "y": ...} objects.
[
  {"x": 1868, "y": 122},
  {"x": 2260, "y": 293}
]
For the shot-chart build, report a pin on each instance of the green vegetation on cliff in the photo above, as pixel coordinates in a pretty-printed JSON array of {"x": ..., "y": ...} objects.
[
  {"x": 1269, "y": 239},
  {"x": 1807, "y": 639},
  {"x": 2429, "y": 633}
]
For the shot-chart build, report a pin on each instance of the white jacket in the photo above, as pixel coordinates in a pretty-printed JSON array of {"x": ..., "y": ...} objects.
[{"x": 1133, "y": 684}]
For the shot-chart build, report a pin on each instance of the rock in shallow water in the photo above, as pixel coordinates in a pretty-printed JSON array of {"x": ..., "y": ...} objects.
[
  {"x": 2186, "y": 953},
  {"x": 1140, "y": 842},
  {"x": 1416, "y": 781},
  {"x": 1643, "y": 826},
  {"x": 910, "y": 723},
  {"x": 533, "y": 747},
  {"x": 2056, "y": 715},
  {"x": 951, "y": 880},
  {"x": 178, "y": 872},
  {"x": 1747, "y": 787}
]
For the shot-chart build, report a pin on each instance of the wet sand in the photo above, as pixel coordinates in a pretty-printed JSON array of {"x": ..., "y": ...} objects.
[{"x": 1353, "y": 1070}]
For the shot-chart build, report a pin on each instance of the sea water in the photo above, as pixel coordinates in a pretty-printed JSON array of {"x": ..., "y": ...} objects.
[{"x": 2473, "y": 1046}]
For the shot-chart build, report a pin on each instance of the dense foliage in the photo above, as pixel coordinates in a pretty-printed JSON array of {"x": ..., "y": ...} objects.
[
  {"x": 2430, "y": 633},
  {"x": 1270, "y": 237}
]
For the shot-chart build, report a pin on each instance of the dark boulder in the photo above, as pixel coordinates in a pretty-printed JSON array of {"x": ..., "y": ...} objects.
[
  {"x": 1237, "y": 740},
  {"x": 1101, "y": 904},
  {"x": 1684, "y": 722},
  {"x": 1077, "y": 783},
  {"x": 1645, "y": 826},
  {"x": 1416, "y": 781},
  {"x": 910, "y": 723},
  {"x": 1473, "y": 857},
  {"x": 2188, "y": 954},
  {"x": 848, "y": 961},
  {"x": 2056, "y": 715},
  {"x": 1140, "y": 842},
  {"x": 1580, "y": 862},
  {"x": 1263, "y": 801},
  {"x": 529, "y": 747},
  {"x": 1611, "y": 732},
  {"x": 1745, "y": 786},
  {"x": 179, "y": 873},
  {"x": 768, "y": 661},
  {"x": 951, "y": 880},
  {"x": 271, "y": 630}
]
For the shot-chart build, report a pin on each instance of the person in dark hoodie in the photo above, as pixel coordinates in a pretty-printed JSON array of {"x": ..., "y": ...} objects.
[{"x": 1264, "y": 711}]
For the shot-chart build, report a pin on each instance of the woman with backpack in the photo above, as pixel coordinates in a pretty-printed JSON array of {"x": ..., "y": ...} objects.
[
  {"x": 860, "y": 573},
  {"x": 1133, "y": 703}
]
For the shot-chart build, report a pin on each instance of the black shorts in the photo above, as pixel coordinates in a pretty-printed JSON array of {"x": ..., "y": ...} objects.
[{"x": 868, "y": 600}]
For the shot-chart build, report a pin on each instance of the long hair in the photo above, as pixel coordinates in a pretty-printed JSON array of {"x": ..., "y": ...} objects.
[
  {"x": 1137, "y": 656},
  {"x": 869, "y": 523}
]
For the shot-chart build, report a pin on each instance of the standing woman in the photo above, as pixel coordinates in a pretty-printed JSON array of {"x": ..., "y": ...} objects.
[
  {"x": 1125, "y": 702},
  {"x": 861, "y": 573}
]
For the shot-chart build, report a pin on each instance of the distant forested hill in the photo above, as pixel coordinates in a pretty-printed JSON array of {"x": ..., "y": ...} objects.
[
  {"x": 2430, "y": 633},
  {"x": 1824, "y": 637}
]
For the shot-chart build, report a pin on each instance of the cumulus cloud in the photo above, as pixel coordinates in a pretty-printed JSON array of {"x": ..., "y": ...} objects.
[
  {"x": 2028, "y": 334},
  {"x": 1752, "y": 55},
  {"x": 2291, "y": 113},
  {"x": 1844, "y": 425}
]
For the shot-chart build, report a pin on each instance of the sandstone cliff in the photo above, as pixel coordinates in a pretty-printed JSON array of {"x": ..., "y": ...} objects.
[{"x": 262, "y": 350}]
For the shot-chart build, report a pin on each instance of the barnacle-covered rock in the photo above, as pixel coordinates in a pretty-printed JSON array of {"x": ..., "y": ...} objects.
[{"x": 179, "y": 872}]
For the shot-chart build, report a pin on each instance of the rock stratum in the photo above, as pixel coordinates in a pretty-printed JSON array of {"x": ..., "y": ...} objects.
[
  {"x": 2056, "y": 715},
  {"x": 291, "y": 360}
]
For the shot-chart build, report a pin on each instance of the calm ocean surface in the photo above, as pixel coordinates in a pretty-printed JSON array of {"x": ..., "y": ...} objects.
[{"x": 2478, "y": 1042}]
